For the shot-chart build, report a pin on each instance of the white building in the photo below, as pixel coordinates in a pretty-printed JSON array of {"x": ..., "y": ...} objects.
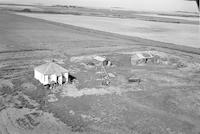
[{"x": 51, "y": 72}]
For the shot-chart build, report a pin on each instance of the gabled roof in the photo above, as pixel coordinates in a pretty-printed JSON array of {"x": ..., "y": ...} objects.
[{"x": 51, "y": 68}]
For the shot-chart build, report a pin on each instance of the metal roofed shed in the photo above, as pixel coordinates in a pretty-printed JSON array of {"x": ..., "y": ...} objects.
[
  {"x": 51, "y": 72},
  {"x": 141, "y": 57}
]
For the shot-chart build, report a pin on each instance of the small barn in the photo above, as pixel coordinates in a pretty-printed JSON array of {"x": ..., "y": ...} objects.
[
  {"x": 51, "y": 72},
  {"x": 141, "y": 58},
  {"x": 105, "y": 61}
]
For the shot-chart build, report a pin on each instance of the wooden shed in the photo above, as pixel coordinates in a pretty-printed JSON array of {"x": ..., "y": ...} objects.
[{"x": 141, "y": 57}]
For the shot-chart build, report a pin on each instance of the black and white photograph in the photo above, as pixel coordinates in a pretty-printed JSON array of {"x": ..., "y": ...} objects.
[{"x": 99, "y": 67}]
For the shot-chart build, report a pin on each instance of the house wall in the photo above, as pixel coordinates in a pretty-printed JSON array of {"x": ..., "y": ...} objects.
[
  {"x": 39, "y": 76},
  {"x": 53, "y": 77},
  {"x": 60, "y": 80},
  {"x": 66, "y": 75},
  {"x": 46, "y": 80},
  {"x": 36, "y": 75}
]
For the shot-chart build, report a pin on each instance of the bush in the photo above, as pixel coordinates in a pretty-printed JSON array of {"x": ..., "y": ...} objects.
[
  {"x": 6, "y": 90},
  {"x": 6, "y": 83},
  {"x": 26, "y": 10},
  {"x": 28, "y": 86}
]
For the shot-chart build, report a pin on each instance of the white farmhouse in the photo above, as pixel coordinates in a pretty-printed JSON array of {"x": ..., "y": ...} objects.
[{"x": 51, "y": 72}]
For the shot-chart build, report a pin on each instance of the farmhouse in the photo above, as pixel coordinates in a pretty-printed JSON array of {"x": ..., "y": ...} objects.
[
  {"x": 51, "y": 72},
  {"x": 141, "y": 57}
]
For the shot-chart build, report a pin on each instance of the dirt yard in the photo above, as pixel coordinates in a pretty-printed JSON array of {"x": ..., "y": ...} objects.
[{"x": 157, "y": 97}]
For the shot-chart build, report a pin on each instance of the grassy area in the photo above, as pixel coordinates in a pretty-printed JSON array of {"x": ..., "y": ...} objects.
[{"x": 165, "y": 101}]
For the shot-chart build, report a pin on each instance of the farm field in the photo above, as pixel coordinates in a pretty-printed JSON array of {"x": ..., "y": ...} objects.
[
  {"x": 176, "y": 33},
  {"x": 166, "y": 100}
]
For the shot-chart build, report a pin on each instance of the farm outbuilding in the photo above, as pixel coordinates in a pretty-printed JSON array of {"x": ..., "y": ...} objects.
[
  {"x": 141, "y": 57},
  {"x": 105, "y": 61},
  {"x": 51, "y": 72}
]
